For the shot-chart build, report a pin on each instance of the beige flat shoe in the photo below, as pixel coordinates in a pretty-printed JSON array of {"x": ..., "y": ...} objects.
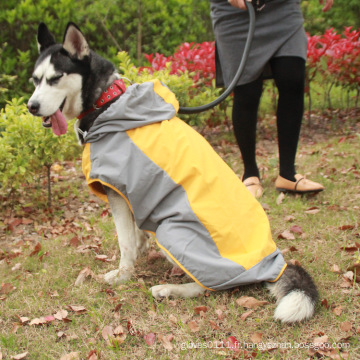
[
  {"x": 253, "y": 184},
  {"x": 300, "y": 186}
]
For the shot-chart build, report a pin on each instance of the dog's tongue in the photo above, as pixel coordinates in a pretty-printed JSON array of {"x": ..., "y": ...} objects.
[{"x": 58, "y": 123}]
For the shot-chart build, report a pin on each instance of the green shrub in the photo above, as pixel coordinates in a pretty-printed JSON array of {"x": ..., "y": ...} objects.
[
  {"x": 28, "y": 150},
  {"x": 183, "y": 86}
]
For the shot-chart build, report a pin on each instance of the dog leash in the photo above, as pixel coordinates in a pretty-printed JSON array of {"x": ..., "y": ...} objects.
[{"x": 226, "y": 93}]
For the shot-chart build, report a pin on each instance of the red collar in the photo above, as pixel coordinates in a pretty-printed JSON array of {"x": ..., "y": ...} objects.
[{"x": 116, "y": 89}]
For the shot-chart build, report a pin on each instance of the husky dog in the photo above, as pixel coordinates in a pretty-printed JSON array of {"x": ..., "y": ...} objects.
[{"x": 160, "y": 176}]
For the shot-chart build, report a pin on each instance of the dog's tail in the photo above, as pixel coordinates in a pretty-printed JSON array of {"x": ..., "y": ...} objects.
[{"x": 296, "y": 295}]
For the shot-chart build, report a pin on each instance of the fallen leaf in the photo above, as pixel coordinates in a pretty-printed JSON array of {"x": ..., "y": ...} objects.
[
  {"x": 346, "y": 227},
  {"x": 23, "y": 320},
  {"x": 349, "y": 275},
  {"x": 20, "y": 356},
  {"x": 194, "y": 326},
  {"x": 6, "y": 288},
  {"x": 107, "y": 333},
  {"x": 312, "y": 210},
  {"x": 213, "y": 325},
  {"x": 325, "y": 304},
  {"x": 231, "y": 343},
  {"x": 296, "y": 229},
  {"x": 256, "y": 337},
  {"x": 93, "y": 355},
  {"x": 246, "y": 314},
  {"x": 173, "y": 319},
  {"x": 335, "y": 269},
  {"x": 345, "y": 326},
  {"x": 250, "y": 302},
  {"x": 166, "y": 341},
  {"x": 176, "y": 271},
  {"x": 154, "y": 255},
  {"x": 131, "y": 328},
  {"x": 290, "y": 218},
  {"x": 71, "y": 356},
  {"x": 103, "y": 258},
  {"x": 338, "y": 310},
  {"x": 219, "y": 314},
  {"x": 61, "y": 315},
  {"x": 280, "y": 198},
  {"x": 74, "y": 242},
  {"x": 113, "y": 337},
  {"x": 16, "y": 267},
  {"x": 61, "y": 335},
  {"x": 36, "y": 250},
  {"x": 198, "y": 309},
  {"x": 286, "y": 235},
  {"x": 150, "y": 339},
  {"x": 77, "y": 309}
]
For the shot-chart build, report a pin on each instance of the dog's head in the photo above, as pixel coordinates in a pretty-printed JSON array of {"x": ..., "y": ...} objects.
[{"x": 59, "y": 76}]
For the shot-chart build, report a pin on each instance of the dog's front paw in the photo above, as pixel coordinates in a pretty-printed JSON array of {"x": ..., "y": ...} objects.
[
  {"x": 115, "y": 277},
  {"x": 161, "y": 291}
]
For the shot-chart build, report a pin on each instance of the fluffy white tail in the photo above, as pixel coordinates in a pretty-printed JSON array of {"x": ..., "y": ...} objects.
[{"x": 296, "y": 295}]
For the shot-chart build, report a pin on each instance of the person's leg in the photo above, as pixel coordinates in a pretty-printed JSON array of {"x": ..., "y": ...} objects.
[
  {"x": 244, "y": 117},
  {"x": 289, "y": 76}
]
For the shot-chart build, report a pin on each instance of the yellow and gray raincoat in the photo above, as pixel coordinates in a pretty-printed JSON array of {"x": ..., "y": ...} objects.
[{"x": 179, "y": 188}]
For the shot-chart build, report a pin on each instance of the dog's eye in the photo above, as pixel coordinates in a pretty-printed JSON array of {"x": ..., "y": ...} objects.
[
  {"x": 35, "y": 80},
  {"x": 54, "y": 79}
]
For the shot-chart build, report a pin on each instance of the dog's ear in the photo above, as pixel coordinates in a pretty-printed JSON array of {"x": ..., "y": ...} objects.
[
  {"x": 75, "y": 43},
  {"x": 44, "y": 37}
]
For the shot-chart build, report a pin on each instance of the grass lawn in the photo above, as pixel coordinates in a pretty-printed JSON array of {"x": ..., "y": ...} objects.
[{"x": 44, "y": 315}]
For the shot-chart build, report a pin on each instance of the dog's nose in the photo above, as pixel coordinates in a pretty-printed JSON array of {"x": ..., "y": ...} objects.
[{"x": 33, "y": 107}]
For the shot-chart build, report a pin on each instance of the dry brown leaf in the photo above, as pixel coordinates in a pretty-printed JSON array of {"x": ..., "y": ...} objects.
[
  {"x": 60, "y": 334},
  {"x": 23, "y": 320},
  {"x": 246, "y": 314},
  {"x": 290, "y": 218},
  {"x": 36, "y": 250},
  {"x": 280, "y": 198},
  {"x": 345, "y": 326},
  {"x": 213, "y": 325},
  {"x": 71, "y": 356},
  {"x": 77, "y": 309},
  {"x": 93, "y": 355},
  {"x": 250, "y": 302},
  {"x": 199, "y": 309},
  {"x": 335, "y": 269},
  {"x": 256, "y": 337},
  {"x": 194, "y": 326},
  {"x": 349, "y": 275},
  {"x": 61, "y": 315},
  {"x": 150, "y": 339},
  {"x": 346, "y": 227},
  {"x": 107, "y": 333},
  {"x": 219, "y": 314},
  {"x": 325, "y": 304},
  {"x": 338, "y": 310},
  {"x": 166, "y": 341},
  {"x": 176, "y": 271},
  {"x": 173, "y": 319},
  {"x": 296, "y": 229},
  {"x": 154, "y": 255},
  {"x": 286, "y": 235},
  {"x": 312, "y": 211},
  {"x": 20, "y": 356},
  {"x": 6, "y": 288}
]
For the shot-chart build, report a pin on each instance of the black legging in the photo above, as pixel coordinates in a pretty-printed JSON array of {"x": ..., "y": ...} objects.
[{"x": 289, "y": 75}]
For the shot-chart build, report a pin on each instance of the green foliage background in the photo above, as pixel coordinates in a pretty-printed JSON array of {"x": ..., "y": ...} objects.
[{"x": 137, "y": 27}]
